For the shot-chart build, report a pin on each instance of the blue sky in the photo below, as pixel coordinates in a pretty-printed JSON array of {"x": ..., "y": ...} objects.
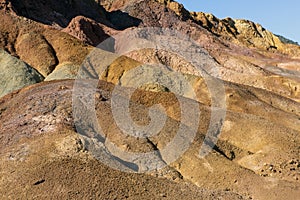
[{"x": 280, "y": 17}]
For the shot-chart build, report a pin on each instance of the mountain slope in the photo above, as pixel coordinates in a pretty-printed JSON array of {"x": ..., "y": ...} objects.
[{"x": 227, "y": 88}]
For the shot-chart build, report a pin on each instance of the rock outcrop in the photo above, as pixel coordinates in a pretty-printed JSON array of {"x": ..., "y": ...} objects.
[
  {"x": 242, "y": 88},
  {"x": 36, "y": 51},
  {"x": 65, "y": 70},
  {"x": 88, "y": 30},
  {"x": 55, "y": 11},
  {"x": 43, "y": 148},
  {"x": 15, "y": 74},
  {"x": 234, "y": 57},
  {"x": 39, "y": 45},
  {"x": 43, "y": 114}
]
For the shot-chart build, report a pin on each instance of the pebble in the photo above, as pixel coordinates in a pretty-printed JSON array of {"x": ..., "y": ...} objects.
[
  {"x": 62, "y": 87},
  {"x": 163, "y": 195},
  {"x": 291, "y": 162},
  {"x": 98, "y": 95}
]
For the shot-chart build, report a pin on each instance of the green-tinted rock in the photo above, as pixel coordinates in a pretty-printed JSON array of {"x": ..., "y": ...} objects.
[
  {"x": 65, "y": 70},
  {"x": 15, "y": 74}
]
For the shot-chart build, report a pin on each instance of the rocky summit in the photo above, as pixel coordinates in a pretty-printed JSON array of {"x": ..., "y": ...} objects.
[{"x": 143, "y": 99}]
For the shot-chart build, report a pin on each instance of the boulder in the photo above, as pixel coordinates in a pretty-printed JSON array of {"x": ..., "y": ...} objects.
[
  {"x": 36, "y": 51},
  {"x": 15, "y": 74}
]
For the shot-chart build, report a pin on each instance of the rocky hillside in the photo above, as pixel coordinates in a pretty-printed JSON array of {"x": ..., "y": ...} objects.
[{"x": 165, "y": 103}]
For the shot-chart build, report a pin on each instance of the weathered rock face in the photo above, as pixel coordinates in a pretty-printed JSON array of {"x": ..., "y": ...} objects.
[
  {"x": 238, "y": 63},
  {"x": 239, "y": 31},
  {"x": 43, "y": 114},
  {"x": 88, "y": 30},
  {"x": 245, "y": 32},
  {"x": 57, "y": 12},
  {"x": 38, "y": 45},
  {"x": 65, "y": 70},
  {"x": 34, "y": 49},
  {"x": 256, "y": 155},
  {"x": 47, "y": 153},
  {"x": 15, "y": 74}
]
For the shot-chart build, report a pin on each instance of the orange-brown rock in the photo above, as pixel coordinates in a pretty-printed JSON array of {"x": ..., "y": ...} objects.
[{"x": 88, "y": 30}]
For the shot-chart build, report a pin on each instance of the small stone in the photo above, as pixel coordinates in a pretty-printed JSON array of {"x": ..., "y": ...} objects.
[
  {"x": 62, "y": 87},
  {"x": 291, "y": 162},
  {"x": 163, "y": 195},
  {"x": 98, "y": 95}
]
